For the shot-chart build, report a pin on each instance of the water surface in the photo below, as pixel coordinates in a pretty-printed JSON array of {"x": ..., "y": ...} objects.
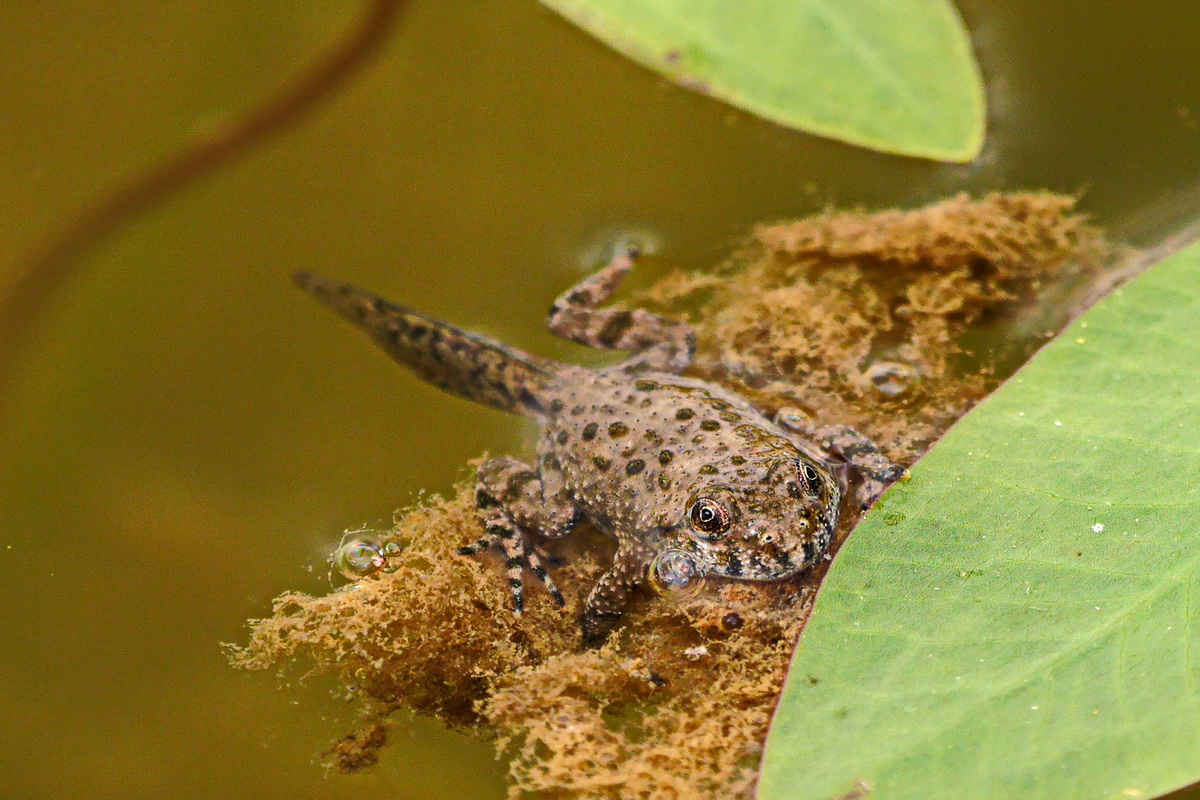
[{"x": 191, "y": 435}]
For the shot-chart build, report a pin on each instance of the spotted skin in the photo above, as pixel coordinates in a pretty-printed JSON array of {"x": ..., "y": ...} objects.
[{"x": 633, "y": 448}]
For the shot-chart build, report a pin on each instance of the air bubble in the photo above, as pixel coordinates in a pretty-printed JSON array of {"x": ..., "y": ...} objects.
[
  {"x": 892, "y": 378},
  {"x": 675, "y": 574},
  {"x": 359, "y": 557}
]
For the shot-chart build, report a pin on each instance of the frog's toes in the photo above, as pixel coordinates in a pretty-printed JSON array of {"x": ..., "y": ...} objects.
[
  {"x": 877, "y": 482},
  {"x": 518, "y": 557},
  {"x": 534, "y": 562}
]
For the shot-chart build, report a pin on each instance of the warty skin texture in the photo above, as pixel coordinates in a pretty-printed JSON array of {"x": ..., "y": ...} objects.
[{"x": 689, "y": 478}]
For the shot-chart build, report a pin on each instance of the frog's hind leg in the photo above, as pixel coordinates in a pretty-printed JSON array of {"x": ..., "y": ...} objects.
[
  {"x": 509, "y": 500},
  {"x": 661, "y": 345}
]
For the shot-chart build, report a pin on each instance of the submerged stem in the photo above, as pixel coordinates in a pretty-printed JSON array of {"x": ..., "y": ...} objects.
[{"x": 46, "y": 270}]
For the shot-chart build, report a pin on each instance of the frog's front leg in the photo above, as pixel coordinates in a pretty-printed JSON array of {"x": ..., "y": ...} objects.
[
  {"x": 606, "y": 603},
  {"x": 877, "y": 470},
  {"x": 662, "y": 345},
  {"x": 510, "y": 500}
]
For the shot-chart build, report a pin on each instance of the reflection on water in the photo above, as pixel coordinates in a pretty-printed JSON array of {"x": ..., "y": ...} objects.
[{"x": 191, "y": 437}]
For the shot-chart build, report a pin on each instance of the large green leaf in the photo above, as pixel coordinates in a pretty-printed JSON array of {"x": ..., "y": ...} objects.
[
  {"x": 895, "y": 75},
  {"x": 1019, "y": 620}
]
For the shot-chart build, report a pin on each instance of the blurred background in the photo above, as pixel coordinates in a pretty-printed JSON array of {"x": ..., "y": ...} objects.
[{"x": 188, "y": 435}]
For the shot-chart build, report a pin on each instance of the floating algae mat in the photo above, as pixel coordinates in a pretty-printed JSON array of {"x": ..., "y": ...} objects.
[{"x": 850, "y": 318}]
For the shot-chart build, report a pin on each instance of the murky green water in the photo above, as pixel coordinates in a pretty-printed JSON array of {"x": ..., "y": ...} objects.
[{"x": 191, "y": 435}]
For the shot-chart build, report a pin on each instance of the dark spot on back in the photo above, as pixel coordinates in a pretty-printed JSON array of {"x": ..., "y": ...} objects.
[
  {"x": 601, "y": 462},
  {"x": 635, "y": 466},
  {"x": 618, "y": 429},
  {"x": 589, "y": 431},
  {"x": 710, "y": 425},
  {"x": 665, "y": 457},
  {"x": 708, "y": 469},
  {"x": 684, "y": 413},
  {"x": 579, "y": 297},
  {"x": 562, "y": 437},
  {"x": 556, "y": 405},
  {"x": 737, "y": 460},
  {"x": 577, "y": 410},
  {"x": 645, "y": 385},
  {"x": 729, "y": 416}
]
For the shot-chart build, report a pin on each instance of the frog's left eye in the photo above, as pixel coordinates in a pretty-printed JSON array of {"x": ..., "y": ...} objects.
[
  {"x": 709, "y": 517},
  {"x": 812, "y": 478}
]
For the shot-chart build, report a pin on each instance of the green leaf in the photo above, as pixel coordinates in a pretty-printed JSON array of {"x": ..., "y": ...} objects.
[
  {"x": 1019, "y": 620},
  {"x": 894, "y": 75}
]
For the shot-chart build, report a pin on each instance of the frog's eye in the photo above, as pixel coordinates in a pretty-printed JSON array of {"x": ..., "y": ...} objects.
[
  {"x": 812, "y": 478},
  {"x": 710, "y": 517}
]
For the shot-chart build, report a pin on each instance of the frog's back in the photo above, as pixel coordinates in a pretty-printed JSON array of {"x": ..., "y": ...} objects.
[
  {"x": 631, "y": 447},
  {"x": 688, "y": 477}
]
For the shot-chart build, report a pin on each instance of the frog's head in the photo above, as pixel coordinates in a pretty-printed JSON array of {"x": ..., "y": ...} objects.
[{"x": 763, "y": 523}]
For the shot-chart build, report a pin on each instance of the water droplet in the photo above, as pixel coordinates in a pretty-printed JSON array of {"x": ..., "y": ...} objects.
[
  {"x": 392, "y": 549},
  {"x": 359, "y": 557},
  {"x": 793, "y": 419},
  {"x": 675, "y": 574},
  {"x": 892, "y": 378}
]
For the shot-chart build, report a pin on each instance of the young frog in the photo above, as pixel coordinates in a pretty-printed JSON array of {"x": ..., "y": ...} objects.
[{"x": 688, "y": 477}]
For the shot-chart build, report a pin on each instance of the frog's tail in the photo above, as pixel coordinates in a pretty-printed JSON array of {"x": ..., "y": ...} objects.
[{"x": 458, "y": 362}]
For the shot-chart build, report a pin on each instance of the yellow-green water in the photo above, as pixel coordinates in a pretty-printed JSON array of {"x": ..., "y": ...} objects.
[{"x": 190, "y": 436}]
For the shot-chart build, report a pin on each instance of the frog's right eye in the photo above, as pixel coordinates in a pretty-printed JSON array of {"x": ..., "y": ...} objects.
[{"x": 709, "y": 517}]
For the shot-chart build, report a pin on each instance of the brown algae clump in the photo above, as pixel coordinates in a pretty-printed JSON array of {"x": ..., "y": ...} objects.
[
  {"x": 869, "y": 320},
  {"x": 847, "y": 318}
]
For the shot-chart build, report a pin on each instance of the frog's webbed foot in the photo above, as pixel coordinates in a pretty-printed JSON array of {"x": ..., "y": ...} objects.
[
  {"x": 857, "y": 451},
  {"x": 509, "y": 501},
  {"x": 661, "y": 345},
  {"x": 606, "y": 603}
]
